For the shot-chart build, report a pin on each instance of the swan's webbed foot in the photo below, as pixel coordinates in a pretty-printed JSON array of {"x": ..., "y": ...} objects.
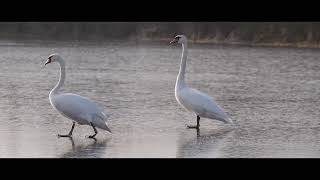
[
  {"x": 65, "y": 135},
  {"x": 92, "y": 136},
  {"x": 192, "y": 127},
  {"x": 70, "y": 133},
  {"x": 95, "y": 132},
  {"x": 196, "y": 126}
]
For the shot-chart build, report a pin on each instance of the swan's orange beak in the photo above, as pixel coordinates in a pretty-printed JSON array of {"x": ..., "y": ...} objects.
[
  {"x": 48, "y": 62},
  {"x": 174, "y": 41}
]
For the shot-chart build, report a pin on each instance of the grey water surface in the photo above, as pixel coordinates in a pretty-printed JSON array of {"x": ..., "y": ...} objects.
[{"x": 272, "y": 94}]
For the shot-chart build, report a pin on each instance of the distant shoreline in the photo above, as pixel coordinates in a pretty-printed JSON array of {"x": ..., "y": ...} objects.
[
  {"x": 213, "y": 42},
  {"x": 265, "y": 34},
  {"x": 156, "y": 41}
]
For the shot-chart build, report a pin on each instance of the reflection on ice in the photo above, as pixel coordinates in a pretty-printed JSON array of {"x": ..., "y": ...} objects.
[
  {"x": 206, "y": 144},
  {"x": 94, "y": 149}
]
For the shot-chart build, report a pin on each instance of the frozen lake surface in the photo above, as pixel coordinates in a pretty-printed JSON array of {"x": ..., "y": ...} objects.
[{"x": 272, "y": 94}]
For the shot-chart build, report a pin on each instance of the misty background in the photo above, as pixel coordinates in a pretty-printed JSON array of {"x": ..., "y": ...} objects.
[{"x": 299, "y": 34}]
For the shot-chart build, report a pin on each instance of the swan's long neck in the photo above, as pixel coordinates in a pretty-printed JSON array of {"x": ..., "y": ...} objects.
[
  {"x": 62, "y": 77},
  {"x": 180, "y": 79}
]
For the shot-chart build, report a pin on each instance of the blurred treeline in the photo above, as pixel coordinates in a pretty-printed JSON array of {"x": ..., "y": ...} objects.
[{"x": 273, "y": 33}]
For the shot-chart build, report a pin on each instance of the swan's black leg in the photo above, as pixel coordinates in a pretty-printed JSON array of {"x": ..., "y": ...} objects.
[
  {"x": 198, "y": 124},
  {"x": 70, "y": 133},
  {"x": 198, "y": 132},
  {"x": 95, "y": 131}
]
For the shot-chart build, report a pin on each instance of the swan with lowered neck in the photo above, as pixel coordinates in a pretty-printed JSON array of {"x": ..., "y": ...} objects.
[
  {"x": 201, "y": 104},
  {"x": 72, "y": 106}
]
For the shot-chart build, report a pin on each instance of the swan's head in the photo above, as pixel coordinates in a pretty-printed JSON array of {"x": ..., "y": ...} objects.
[
  {"x": 53, "y": 58},
  {"x": 179, "y": 39}
]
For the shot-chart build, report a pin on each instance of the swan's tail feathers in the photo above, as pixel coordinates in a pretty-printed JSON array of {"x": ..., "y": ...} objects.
[
  {"x": 229, "y": 121},
  {"x": 104, "y": 126},
  {"x": 101, "y": 123},
  {"x": 106, "y": 116},
  {"x": 107, "y": 128}
]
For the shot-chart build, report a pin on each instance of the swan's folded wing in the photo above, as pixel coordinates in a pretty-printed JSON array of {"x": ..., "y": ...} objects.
[
  {"x": 75, "y": 107},
  {"x": 202, "y": 104}
]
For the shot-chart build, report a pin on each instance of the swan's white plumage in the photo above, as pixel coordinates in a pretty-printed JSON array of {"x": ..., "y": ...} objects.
[
  {"x": 79, "y": 109},
  {"x": 200, "y": 103},
  {"x": 72, "y": 106},
  {"x": 191, "y": 99}
]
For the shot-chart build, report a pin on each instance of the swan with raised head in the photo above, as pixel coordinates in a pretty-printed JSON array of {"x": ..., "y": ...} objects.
[
  {"x": 72, "y": 106},
  {"x": 201, "y": 104}
]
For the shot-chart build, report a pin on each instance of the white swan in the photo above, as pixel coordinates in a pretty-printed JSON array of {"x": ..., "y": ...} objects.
[
  {"x": 193, "y": 100},
  {"x": 77, "y": 108}
]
